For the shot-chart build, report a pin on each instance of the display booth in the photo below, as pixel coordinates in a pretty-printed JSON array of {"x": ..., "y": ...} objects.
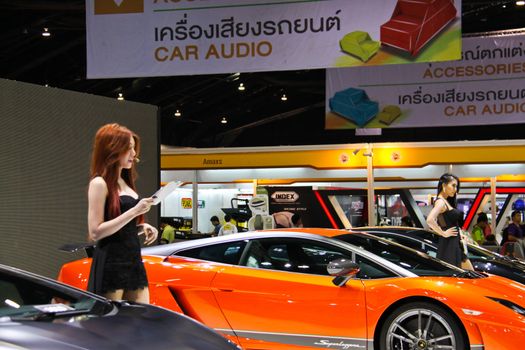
[{"x": 341, "y": 185}]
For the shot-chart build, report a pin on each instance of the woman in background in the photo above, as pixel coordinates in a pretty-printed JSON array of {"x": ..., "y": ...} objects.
[
  {"x": 444, "y": 219},
  {"x": 115, "y": 214}
]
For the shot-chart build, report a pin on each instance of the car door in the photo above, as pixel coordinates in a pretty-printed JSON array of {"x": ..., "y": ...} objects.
[{"x": 282, "y": 297}]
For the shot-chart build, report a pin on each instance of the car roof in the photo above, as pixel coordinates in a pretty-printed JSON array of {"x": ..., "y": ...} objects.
[
  {"x": 168, "y": 249},
  {"x": 399, "y": 229},
  {"x": 320, "y": 234}
]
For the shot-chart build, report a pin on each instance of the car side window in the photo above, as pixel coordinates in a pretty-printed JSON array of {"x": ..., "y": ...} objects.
[
  {"x": 371, "y": 270},
  {"x": 18, "y": 295},
  {"x": 425, "y": 235},
  {"x": 8, "y": 291},
  {"x": 292, "y": 255},
  {"x": 411, "y": 243},
  {"x": 226, "y": 253},
  {"x": 430, "y": 250}
]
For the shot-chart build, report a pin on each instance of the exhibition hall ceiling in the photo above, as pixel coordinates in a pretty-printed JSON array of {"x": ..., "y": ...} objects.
[{"x": 256, "y": 116}]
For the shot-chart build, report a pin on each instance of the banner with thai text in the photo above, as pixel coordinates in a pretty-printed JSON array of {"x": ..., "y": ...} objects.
[
  {"x": 487, "y": 86},
  {"x": 131, "y": 38}
]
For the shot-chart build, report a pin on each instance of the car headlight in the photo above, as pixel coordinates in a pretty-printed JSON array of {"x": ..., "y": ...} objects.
[{"x": 513, "y": 306}]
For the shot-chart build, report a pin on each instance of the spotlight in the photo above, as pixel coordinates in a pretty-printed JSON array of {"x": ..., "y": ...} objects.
[
  {"x": 46, "y": 33},
  {"x": 520, "y": 3},
  {"x": 120, "y": 96},
  {"x": 177, "y": 113},
  {"x": 241, "y": 87},
  {"x": 284, "y": 98},
  {"x": 224, "y": 120}
]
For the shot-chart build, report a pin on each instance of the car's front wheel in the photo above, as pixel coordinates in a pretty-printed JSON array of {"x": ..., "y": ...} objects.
[{"x": 421, "y": 326}]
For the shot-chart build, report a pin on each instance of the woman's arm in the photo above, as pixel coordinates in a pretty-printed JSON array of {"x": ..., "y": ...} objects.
[
  {"x": 98, "y": 228},
  {"x": 150, "y": 232},
  {"x": 439, "y": 207}
]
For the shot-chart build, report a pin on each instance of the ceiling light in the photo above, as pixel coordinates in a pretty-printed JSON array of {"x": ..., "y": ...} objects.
[
  {"x": 177, "y": 113},
  {"x": 520, "y": 3},
  {"x": 504, "y": 6},
  {"x": 46, "y": 33},
  {"x": 120, "y": 96},
  {"x": 241, "y": 87},
  {"x": 284, "y": 98},
  {"x": 224, "y": 120}
]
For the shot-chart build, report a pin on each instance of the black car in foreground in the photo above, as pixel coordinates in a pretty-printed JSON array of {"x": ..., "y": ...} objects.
[
  {"x": 40, "y": 313},
  {"x": 425, "y": 241}
]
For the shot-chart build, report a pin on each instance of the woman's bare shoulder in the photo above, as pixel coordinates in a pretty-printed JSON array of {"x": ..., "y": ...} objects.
[
  {"x": 98, "y": 183},
  {"x": 441, "y": 204}
]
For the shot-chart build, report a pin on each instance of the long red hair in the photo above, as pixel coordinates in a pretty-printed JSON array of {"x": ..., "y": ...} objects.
[{"x": 111, "y": 143}]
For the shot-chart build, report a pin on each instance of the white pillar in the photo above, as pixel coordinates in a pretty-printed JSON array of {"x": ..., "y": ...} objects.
[
  {"x": 370, "y": 182},
  {"x": 195, "y": 200},
  {"x": 255, "y": 183},
  {"x": 493, "y": 205}
]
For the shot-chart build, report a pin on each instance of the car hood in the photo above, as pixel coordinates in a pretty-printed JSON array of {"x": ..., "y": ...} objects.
[
  {"x": 132, "y": 327},
  {"x": 498, "y": 285},
  {"x": 475, "y": 293}
]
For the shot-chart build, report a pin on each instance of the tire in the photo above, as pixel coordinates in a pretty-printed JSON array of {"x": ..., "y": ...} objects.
[{"x": 421, "y": 326}]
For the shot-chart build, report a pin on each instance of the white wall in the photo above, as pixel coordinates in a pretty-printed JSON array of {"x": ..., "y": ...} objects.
[{"x": 214, "y": 199}]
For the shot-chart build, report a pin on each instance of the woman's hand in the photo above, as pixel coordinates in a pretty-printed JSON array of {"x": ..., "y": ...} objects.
[
  {"x": 453, "y": 231},
  {"x": 150, "y": 233},
  {"x": 143, "y": 206}
]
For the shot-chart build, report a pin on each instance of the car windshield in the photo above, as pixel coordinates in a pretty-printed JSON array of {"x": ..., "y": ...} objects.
[
  {"x": 429, "y": 237},
  {"x": 28, "y": 298},
  {"x": 414, "y": 261},
  {"x": 473, "y": 251},
  {"x": 483, "y": 253}
]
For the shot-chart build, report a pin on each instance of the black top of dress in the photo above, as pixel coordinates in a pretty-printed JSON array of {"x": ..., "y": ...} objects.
[
  {"x": 117, "y": 262},
  {"x": 450, "y": 218},
  {"x": 450, "y": 248}
]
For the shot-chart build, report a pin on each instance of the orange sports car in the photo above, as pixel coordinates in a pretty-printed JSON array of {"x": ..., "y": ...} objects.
[{"x": 308, "y": 289}]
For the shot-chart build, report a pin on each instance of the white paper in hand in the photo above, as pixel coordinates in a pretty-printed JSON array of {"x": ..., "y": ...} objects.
[{"x": 164, "y": 191}]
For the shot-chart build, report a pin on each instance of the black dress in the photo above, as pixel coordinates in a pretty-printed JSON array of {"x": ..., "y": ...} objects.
[
  {"x": 117, "y": 263},
  {"x": 450, "y": 249}
]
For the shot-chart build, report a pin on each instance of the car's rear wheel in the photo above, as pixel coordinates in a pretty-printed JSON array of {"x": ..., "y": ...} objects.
[{"x": 421, "y": 326}]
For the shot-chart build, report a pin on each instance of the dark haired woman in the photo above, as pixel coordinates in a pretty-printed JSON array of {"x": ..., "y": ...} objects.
[
  {"x": 444, "y": 219},
  {"x": 115, "y": 213}
]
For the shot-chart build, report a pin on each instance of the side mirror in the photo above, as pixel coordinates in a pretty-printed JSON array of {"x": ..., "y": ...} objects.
[
  {"x": 343, "y": 270},
  {"x": 88, "y": 247}
]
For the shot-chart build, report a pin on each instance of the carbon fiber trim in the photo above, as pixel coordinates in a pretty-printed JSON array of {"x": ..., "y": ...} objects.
[{"x": 314, "y": 341}]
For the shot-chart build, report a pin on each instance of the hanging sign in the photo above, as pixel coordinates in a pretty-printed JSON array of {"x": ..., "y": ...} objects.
[
  {"x": 487, "y": 86},
  {"x": 131, "y": 38}
]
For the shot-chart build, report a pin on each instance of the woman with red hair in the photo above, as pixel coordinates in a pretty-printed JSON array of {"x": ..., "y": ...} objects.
[{"x": 115, "y": 214}]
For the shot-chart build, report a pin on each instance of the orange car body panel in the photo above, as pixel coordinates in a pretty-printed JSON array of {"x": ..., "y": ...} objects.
[{"x": 240, "y": 301}]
